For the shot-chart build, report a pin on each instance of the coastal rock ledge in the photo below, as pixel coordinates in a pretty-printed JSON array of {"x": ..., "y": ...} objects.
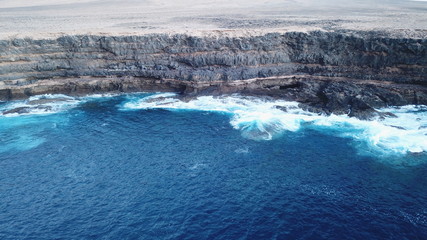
[{"x": 329, "y": 72}]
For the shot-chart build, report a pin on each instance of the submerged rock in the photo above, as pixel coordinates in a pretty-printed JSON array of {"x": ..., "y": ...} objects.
[
  {"x": 47, "y": 101},
  {"x": 18, "y": 110},
  {"x": 328, "y": 72},
  {"x": 24, "y": 110}
]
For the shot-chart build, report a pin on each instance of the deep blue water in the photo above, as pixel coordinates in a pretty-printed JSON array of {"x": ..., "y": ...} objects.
[{"x": 98, "y": 172}]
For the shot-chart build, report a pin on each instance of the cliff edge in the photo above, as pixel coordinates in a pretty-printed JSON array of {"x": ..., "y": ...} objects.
[{"x": 340, "y": 63}]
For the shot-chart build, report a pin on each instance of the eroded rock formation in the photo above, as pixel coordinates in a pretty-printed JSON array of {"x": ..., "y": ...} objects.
[{"x": 331, "y": 71}]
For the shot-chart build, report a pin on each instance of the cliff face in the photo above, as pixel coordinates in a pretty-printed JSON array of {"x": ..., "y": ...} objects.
[
  {"x": 184, "y": 63},
  {"x": 210, "y": 58}
]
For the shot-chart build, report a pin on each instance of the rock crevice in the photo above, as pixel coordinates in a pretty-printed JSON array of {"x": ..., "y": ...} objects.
[{"x": 334, "y": 69}]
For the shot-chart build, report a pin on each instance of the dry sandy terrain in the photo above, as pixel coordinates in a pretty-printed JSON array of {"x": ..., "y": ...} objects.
[{"x": 50, "y": 18}]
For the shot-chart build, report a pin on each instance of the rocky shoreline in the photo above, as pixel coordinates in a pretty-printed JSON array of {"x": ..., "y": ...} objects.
[{"x": 327, "y": 72}]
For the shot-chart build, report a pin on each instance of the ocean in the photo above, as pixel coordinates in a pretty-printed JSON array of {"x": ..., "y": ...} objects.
[{"x": 150, "y": 166}]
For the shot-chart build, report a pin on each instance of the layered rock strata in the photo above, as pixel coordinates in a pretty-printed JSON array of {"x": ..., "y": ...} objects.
[{"x": 337, "y": 72}]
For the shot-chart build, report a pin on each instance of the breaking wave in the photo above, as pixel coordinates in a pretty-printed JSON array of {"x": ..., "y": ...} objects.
[
  {"x": 46, "y": 104},
  {"x": 259, "y": 119},
  {"x": 265, "y": 119},
  {"x": 40, "y": 104},
  {"x": 23, "y": 123}
]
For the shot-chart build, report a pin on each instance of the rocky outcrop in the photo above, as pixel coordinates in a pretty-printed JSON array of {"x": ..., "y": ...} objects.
[{"x": 332, "y": 70}]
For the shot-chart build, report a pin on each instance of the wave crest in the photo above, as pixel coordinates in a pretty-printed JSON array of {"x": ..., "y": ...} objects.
[
  {"x": 265, "y": 119},
  {"x": 40, "y": 104}
]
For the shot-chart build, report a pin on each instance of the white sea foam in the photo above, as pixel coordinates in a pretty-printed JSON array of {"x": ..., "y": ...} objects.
[
  {"x": 21, "y": 130},
  {"x": 151, "y": 101},
  {"x": 40, "y": 104},
  {"x": 263, "y": 119},
  {"x": 243, "y": 150},
  {"x": 100, "y": 96},
  {"x": 48, "y": 104}
]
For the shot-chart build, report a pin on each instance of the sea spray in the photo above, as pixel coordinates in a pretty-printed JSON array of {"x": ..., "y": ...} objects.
[
  {"x": 259, "y": 119},
  {"x": 158, "y": 173},
  {"x": 40, "y": 104},
  {"x": 266, "y": 119},
  {"x": 46, "y": 104}
]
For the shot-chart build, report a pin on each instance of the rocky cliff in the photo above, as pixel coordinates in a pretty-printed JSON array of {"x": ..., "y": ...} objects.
[{"x": 336, "y": 71}]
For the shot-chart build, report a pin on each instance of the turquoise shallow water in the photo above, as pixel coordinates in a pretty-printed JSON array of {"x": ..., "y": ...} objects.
[{"x": 126, "y": 167}]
